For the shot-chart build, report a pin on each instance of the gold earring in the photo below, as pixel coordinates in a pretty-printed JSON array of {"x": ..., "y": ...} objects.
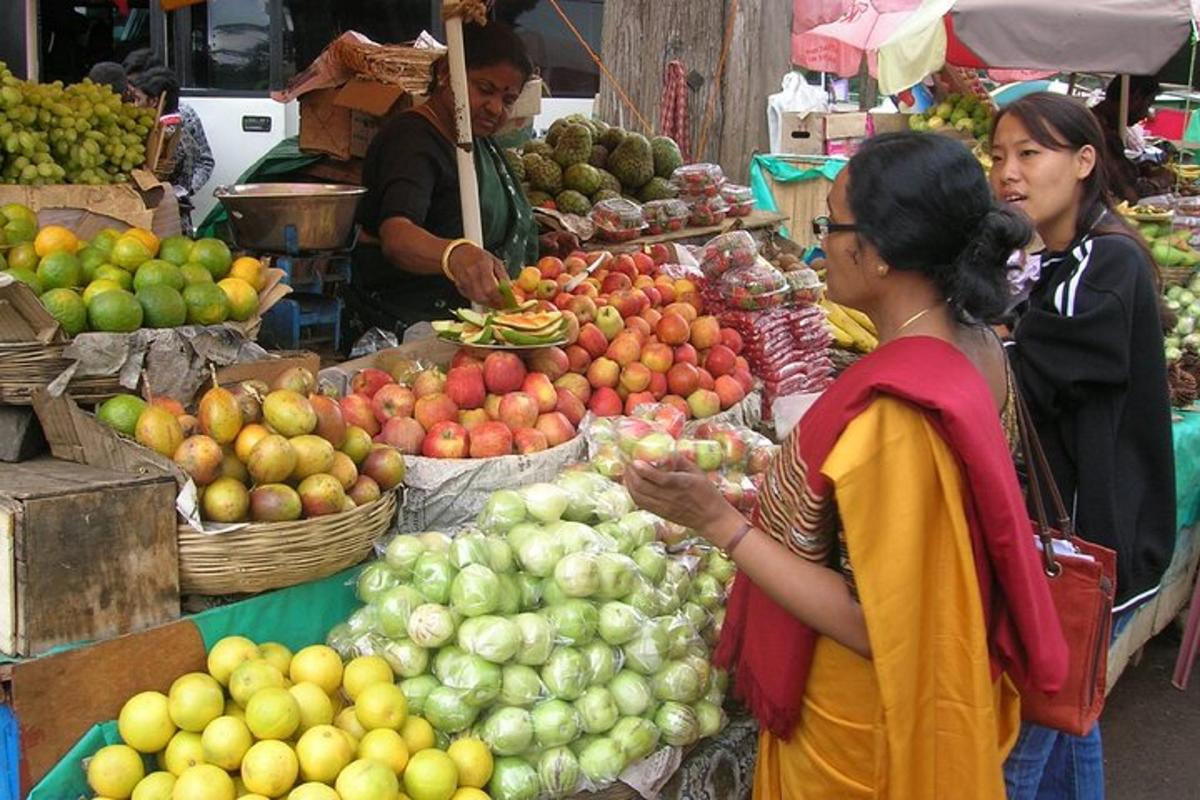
[{"x": 882, "y": 269}]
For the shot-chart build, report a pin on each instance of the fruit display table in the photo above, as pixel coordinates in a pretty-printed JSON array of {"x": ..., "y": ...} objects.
[
  {"x": 1176, "y": 587},
  {"x": 755, "y": 222}
]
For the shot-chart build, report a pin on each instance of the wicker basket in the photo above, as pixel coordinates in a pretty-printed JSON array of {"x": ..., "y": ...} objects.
[
  {"x": 272, "y": 555},
  {"x": 25, "y": 366},
  {"x": 1177, "y": 276}
]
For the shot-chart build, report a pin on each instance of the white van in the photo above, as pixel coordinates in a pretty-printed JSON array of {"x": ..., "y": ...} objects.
[{"x": 230, "y": 54}]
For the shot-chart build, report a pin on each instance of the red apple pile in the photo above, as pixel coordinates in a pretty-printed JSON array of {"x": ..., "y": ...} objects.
[{"x": 637, "y": 335}]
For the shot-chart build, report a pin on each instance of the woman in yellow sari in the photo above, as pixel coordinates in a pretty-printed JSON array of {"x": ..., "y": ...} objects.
[{"x": 888, "y": 585}]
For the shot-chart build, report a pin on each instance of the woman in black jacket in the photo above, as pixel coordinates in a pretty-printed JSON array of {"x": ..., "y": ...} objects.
[{"x": 1087, "y": 352}]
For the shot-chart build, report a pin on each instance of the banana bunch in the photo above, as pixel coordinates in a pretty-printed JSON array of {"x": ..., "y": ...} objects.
[
  {"x": 851, "y": 329},
  {"x": 1187, "y": 173}
]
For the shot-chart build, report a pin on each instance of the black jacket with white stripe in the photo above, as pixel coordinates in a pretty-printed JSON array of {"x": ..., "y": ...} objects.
[{"x": 1088, "y": 356}]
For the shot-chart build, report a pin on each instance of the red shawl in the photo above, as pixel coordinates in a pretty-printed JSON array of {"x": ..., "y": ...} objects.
[{"x": 770, "y": 652}]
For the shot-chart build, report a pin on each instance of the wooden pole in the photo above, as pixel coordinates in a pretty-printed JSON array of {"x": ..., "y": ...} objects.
[
  {"x": 1123, "y": 109},
  {"x": 468, "y": 184}
]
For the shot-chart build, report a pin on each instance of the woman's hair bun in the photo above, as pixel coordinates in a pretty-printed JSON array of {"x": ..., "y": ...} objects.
[{"x": 980, "y": 285}]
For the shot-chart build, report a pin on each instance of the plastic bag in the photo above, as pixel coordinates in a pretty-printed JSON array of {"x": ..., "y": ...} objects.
[
  {"x": 618, "y": 219},
  {"x": 755, "y": 286},
  {"x": 796, "y": 95},
  {"x": 806, "y": 286},
  {"x": 662, "y": 216},
  {"x": 698, "y": 180},
  {"x": 739, "y": 198},
  {"x": 728, "y": 251},
  {"x": 708, "y": 211}
]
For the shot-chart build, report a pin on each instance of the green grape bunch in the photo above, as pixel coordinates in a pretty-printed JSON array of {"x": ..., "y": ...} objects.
[{"x": 81, "y": 133}]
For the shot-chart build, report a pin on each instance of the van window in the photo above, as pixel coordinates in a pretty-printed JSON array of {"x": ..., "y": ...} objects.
[
  {"x": 75, "y": 35},
  {"x": 319, "y": 22},
  {"x": 228, "y": 43}
]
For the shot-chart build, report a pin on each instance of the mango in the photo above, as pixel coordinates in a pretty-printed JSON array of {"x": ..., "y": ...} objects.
[
  {"x": 225, "y": 500},
  {"x": 272, "y": 460},
  {"x": 158, "y": 429},
  {"x": 200, "y": 457},
  {"x": 220, "y": 415},
  {"x": 289, "y": 413},
  {"x": 313, "y": 455},
  {"x": 274, "y": 502}
]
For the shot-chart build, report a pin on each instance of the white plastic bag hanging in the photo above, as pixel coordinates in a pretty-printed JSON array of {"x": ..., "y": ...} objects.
[{"x": 797, "y": 95}]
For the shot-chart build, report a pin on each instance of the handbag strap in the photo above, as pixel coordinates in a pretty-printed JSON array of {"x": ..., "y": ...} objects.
[{"x": 1038, "y": 471}]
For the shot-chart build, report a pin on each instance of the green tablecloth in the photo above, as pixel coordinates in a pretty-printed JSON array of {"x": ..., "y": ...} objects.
[{"x": 1187, "y": 467}]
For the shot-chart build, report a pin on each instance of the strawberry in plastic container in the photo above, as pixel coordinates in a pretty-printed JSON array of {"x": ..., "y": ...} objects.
[
  {"x": 708, "y": 211},
  {"x": 728, "y": 251},
  {"x": 739, "y": 198},
  {"x": 618, "y": 219},
  {"x": 695, "y": 180},
  {"x": 663, "y": 216}
]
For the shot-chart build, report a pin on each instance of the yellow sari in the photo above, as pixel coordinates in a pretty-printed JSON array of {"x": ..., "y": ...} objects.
[{"x": 922, "y": 719}]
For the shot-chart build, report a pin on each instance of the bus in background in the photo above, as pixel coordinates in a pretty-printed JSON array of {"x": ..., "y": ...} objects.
[{"x": 231, "y": 54}]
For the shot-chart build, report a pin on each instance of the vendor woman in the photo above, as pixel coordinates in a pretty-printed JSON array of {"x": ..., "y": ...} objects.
[{"x": 412, "y": 263}]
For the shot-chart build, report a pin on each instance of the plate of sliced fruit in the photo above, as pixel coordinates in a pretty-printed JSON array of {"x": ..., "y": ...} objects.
[{"x": 521, "y": 328}]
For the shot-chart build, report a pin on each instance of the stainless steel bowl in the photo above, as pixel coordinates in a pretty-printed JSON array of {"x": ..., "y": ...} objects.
[{"x": 286, "y": 217}]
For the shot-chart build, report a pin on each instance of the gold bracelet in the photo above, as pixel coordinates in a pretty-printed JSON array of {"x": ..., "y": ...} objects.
[{"x": 450, "y": 248}]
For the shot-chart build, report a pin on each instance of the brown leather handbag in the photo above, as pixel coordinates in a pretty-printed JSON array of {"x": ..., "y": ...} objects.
[{"x": 1082, "y": 579}]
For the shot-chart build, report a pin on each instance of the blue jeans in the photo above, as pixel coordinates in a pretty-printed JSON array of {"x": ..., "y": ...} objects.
[{"x": 1046, "y": 764}]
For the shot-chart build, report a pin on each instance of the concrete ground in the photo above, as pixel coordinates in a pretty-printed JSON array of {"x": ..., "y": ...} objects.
[{"x": 1151, "y": 730}]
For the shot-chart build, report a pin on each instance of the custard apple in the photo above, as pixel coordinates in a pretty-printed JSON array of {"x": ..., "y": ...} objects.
[
  {"x": 539, "y": 146},
  {"x": 583, "y": 178},
  {"x": 515, "y": 164},
  {"x": 632, "y": 162},
  {"x": 540, "y": 199},
  {"x": 667, "y": 157},
  {"x": 543, "y": 174},
  {"x": 657, "y": 189},
  {"x": 609, "y": 181},
  {"x": 574, "y": 145},
  {"x": 572, "y": 202},
  {"x": 605, "y": 194},
  {"x": 599, "y": 156}
]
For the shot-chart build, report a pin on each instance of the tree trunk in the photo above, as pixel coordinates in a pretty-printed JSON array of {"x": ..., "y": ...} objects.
[{"x": 639, "y": 38}]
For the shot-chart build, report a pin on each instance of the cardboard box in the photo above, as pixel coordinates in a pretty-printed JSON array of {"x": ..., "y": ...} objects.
[
  {"x": 144, "y": 202},
  {"x": 342, "y": 121},
  {"x": 819, "y": 134},
  {"x": 75, "y": 564}
]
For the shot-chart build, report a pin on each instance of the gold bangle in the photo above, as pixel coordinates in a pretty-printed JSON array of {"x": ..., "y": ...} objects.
[{"x": 450, "y": 248}]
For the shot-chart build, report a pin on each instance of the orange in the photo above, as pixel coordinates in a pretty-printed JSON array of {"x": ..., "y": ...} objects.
[
  {"x": 52, "y": 238},
  {"x": 23, "y": 256},
  {"x": 145, "y": 237},
  {"x": 251, "y": 271}
]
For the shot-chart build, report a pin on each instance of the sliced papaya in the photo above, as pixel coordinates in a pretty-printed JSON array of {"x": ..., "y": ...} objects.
[
  {"x": 445, "y": 327},
  {"x": 523, "y": 338},
  {"x": 484, "y": 335},
  {"x": 528, "y": 321}
]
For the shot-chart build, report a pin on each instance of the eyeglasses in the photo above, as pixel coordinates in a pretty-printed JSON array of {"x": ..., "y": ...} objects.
[{"x": 823, "y": 226}]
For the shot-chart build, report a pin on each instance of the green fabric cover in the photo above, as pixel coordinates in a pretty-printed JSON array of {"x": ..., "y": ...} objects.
[
  {"x": 1187, "y": 468},
  {"x": 786, "y": 170}
]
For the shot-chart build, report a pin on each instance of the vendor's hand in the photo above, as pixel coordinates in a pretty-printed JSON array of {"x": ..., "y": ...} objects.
[
  {"x": 558, "y": 243},
  {"x": 681, "y": 494},
  {"x": 477, "y": 275}
]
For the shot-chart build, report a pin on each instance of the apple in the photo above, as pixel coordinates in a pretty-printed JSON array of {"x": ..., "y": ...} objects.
[
  {"x": 539, "y": 387},
  {"x": 357, "y": 410},
  {"x": 672, "y": 329},
  {"x": 393, "y": 400},
  {"x": 578, "y": 359},
  {"x": 583, "y": 307},
  {"x": 471, "y": 418},
  {"x": 575, "y": 263},
  {"x": 552, "y": 362},
  {"x": 630, "y": 430},
  {"x": 635, "y": 400},
  {"x": 685, "y": 310},
  {"x": 576, "y": 384},
  {"x": 668, "y": 418},
  {"x": 491, "y": 405},
  {"x": 707, "y": 381},
  {"x": 706, "y": 332},
  {"x": 677, "y": 402},
  {"x": 730, "y": 489},
  {"x": 615, "y": 282},
  {"x": 654, "y": 449},
  {"x": 557, "y": 428},
  {"x": 666, "y": 290},
  {"x": 704, "y": 403},
  {"x": 733, "y": 340},
  {"x": 683, "y": 379},
  {"x": 704, "y": 453},
  {"x": 728, "y": 390},
  {"x": 491, "y": 439},
  {"x": 653, "y": 296},
  {"x": 732, "y": 445},
  {"x": 605, "y": 402},
  {"x": 528, "y": 279},
  {"x": 369, "y": 381},
  {"x": 518, "y": 410},
  {"x": 627, "y": 302},
  {"x": 529, "y": 440},
  {"x": 719, "y": 360},
  {"x": 639, "y": 328},
  {"x": 562, "y": 301},
  {"x": 570, "y": 406},
  {"x": 741, "y": 363},
  {"x": 604, "y": 372},
  {"x": 465, "y": 357},
  {"x": 610, "y": 322},
  {"x": 586, "y": 289},
  {"x": 635, "y": 377},
  {"x": 644, "y": 263},
  {"x": 759, "y": 460},
  {"x": 660, "y": 253},
  {"x": 546, "y": 289},
  {"x": 624, "y": 349},
  {"x": 593, "y": 340},
  {"x": 503, "y": 373},
  {"x": 434, "y": 408},
  {"x": 658, "y": 357},
  {"x": 550, "y": 267},
  {"x": 686, "y": 354},
  {"x": 429, "y": 381},
  {"x": 403, "y": 433},
  {"x": 446, "y": 440},
  {"x": 464, "y": 385},
  {"x": 744, "y": 379},
  {"x": 331, "y": 425},
  {"x": 658, "y": 385}
]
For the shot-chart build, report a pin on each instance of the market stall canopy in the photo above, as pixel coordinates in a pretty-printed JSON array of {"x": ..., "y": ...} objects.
[{"x": 905, "y": 40}]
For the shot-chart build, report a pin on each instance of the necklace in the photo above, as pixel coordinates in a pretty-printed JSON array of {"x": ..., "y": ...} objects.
[{"x": 915, "y": 317}]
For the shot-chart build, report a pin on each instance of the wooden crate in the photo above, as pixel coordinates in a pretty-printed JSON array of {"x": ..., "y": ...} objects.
[
  {"x": 801, "y": 201},
  {"x": 85, "y": 553}
]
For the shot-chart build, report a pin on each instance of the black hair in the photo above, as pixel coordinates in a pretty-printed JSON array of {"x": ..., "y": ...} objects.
[
  {"x": 110, "y": 74},
  {"x": 485, "y": 46},
  {"x": 140, "y": 60},
  {"x": 160, "y": 80},
  {"x": 1139, "y": 86},
  {"x": 923, "y": 201}
]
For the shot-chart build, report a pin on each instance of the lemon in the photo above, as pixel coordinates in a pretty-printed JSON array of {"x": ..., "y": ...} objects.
[
  {"x": 115, "y": 311},
  {"x": 194, "y": 273},
  {"x": 250, "y": 270},
  {"x": 277, "y": 655},
  {"x": 232, "y": 709},
  {"x": 243, "y": 300},
  {"x": 68, "y": 309},
  {"x": 225, "y": 741},
  {"x": 367, "y": 780},
  {"x": 59, "y": 270},
  {"x": 111, "y": 272},
  {"x": 27, "y": 277},
  {"x": 317, "y": 664},
  {"x": 207, "y": 304},
  {"x": 270, "y": 768},
  {"x": 347, "y": 720},
  {"x": 148, "y": 239},
  {"x": 194, "y": 701},
  {"x": 158, "y": 273},
  {"x": 385, "y": 746},
  {"x": 474, "y": 761},
  {"x": 470, "y": 793},
  {"x": 129, "y": 253},
  {"x": 204, "y": 782},
  {"x": 155, "y": 786},
  {"x": 273, "y": 713},
  {"x": 418, "y": 734},
  {"x": 253, "y": 676},
  {"x": 183, "y": 751},
  {"x": 315, "y": 706},
  {"x": 145, "y": 722},
  {"x": 363, "y": 671},
  {"x": 430, "y": 775},
  {"x": 213, "y": 255},
  {"x": 227, "y": 654},
  {"x": 323, "y": 752},
  {"x": 175, "y": 249},
  {"x": 313, "y": 791},
  {"x": 115, "y": 770},
  {"x": 381, "y": 705},
  {"x": 162, "y": 306}
]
